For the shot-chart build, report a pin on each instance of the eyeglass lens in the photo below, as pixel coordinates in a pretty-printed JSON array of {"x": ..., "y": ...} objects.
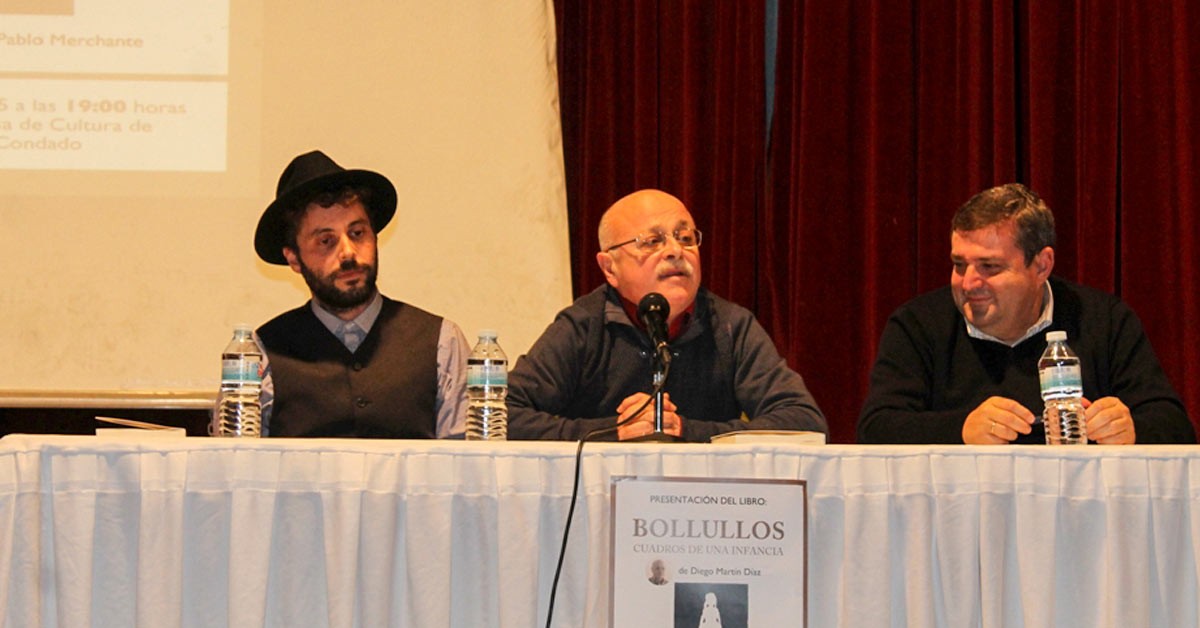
[{"x": 686, "y": 238}]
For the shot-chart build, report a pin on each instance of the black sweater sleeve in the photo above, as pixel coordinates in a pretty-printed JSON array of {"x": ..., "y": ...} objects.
[
  {"x": 897, "y": 406},
  {"x": 1137, "y": 379}
]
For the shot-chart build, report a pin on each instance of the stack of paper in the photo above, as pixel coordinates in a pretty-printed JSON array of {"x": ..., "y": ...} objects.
[{"x": 771, "y": 436}]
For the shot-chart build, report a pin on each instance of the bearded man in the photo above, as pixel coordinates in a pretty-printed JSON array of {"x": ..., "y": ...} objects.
[{"x": 350, "y": 362}]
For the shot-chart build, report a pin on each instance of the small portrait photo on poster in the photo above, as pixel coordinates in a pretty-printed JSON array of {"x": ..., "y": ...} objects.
[{"x": 656, "y": 572}]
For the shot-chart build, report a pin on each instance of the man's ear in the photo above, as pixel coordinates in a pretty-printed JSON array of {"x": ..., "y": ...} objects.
[
  {"x": 293, "y": 258},
  {"x": 605, "y": 261},
  {"x": 1044, "y": 262}
]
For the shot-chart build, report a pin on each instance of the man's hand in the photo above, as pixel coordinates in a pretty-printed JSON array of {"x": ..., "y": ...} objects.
[
  {"x": 1109, "y": 422},
  {"x": 996, "y": 421},
  {"x": 644, "y": 423}
]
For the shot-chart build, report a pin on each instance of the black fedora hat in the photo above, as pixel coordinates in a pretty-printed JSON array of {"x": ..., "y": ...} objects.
[{"x": 311, "y": 174}]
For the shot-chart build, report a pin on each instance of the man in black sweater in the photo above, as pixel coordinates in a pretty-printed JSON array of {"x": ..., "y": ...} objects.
[
  {"x": 593, "y": 366},
  {"x": 959, "y": 364}
]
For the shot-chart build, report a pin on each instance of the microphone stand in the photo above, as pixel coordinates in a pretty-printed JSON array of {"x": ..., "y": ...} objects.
[{"x": 661, "y": 364}]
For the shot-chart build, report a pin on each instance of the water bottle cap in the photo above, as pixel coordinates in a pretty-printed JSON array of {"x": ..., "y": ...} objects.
[
  {"x": 1056, "y": 336},
  {"x": 243, "y": 327},
  {"x": 487, "y": 333}
]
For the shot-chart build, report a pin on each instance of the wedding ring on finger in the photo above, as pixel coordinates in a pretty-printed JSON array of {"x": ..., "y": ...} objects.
[{"x": 992, "y": 429}]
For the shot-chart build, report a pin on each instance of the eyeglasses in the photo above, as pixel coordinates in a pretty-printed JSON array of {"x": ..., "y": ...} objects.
[{"x": 688, "y": 238}]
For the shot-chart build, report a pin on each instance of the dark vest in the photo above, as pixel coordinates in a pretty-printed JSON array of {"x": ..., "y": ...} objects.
[{"x": 385, "y": 389}]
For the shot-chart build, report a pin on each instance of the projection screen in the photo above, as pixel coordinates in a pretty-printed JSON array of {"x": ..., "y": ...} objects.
[{"x": 141, "y": 139}]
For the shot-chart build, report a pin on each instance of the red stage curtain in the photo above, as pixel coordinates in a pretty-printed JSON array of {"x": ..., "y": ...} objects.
[
  {"x": 666, "y": 95},
  {"x": 888, "y": 115}
]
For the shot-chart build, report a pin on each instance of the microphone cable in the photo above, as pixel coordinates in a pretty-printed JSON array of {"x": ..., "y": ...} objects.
[{"x": 562, "y": 551}]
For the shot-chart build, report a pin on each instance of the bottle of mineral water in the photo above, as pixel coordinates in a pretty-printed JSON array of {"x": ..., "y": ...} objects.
[
  {"x": 487, "y": 386},
  {"x": 238, "y": 410},
  {"x": 1062, "y": 391}
]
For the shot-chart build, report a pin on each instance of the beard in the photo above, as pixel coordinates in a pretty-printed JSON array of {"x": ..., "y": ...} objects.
[{"x": 326, "y": 292}]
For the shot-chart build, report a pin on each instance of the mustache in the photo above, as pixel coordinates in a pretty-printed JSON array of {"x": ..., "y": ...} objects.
[
  {"x": 352, "y": 264},
  {"x": 679, "y": 265}
]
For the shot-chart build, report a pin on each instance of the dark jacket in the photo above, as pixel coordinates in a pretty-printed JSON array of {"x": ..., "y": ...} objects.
[{"x": 725, "y": 374}]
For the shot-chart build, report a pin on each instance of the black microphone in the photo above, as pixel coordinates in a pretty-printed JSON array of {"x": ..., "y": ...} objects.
[{"x": 653, "y": 311}]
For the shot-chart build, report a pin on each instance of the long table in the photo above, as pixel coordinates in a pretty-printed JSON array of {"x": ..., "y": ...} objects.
[{"x": 166, "y": 532}]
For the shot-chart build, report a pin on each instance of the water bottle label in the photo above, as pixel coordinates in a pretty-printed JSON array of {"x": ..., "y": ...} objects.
[
  {"x": 1061, "y": 380},
  {"x": 487, "y": 375},
  {"x": 245, "y": 371}
]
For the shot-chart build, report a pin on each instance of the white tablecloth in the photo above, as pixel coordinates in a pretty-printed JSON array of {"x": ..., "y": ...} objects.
[{"x": 281, "y": 532}]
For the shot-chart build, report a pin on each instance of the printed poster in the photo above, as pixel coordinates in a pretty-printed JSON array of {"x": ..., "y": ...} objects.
[{"x": 698, "y": 553}]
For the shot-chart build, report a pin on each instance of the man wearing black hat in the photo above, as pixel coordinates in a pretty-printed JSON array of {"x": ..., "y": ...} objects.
[{"x": 350, "y": 362}]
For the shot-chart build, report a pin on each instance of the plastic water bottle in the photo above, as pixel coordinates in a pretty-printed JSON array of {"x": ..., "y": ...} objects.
[
  {"x": 487, "y": 386},
  {"x": 238, "y": 409},
  {"x": 1062, "y": 391}
]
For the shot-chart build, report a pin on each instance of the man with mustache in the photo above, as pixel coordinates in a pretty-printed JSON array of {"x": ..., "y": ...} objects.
[
  {"x": 959, "y": 364},
  {"x": 350, "y": 362},
  {"x": 592, "y": 368}
]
